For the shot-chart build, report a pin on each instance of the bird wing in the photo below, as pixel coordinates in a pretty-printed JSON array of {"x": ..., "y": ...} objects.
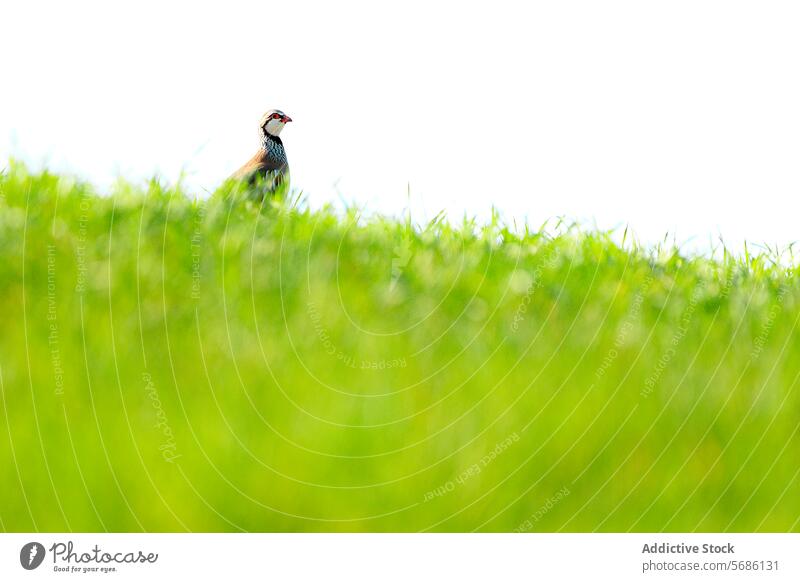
[{"x": 258, "y": 164}]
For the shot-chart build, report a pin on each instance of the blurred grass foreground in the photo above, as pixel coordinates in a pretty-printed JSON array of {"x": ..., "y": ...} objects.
[{"x": 168, "y": 364}]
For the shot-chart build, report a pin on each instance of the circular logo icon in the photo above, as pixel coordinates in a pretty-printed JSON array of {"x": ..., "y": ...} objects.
[{"x": 31, "y": 555}]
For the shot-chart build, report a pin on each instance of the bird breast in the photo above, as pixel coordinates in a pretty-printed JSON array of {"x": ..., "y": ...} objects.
[{"x": 275, "y": 152}]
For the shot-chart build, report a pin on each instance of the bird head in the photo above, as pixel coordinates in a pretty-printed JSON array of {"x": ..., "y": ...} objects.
[{"x": 272, "y": 122}]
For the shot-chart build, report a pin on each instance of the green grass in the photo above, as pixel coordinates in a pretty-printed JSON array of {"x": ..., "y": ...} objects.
[{"x": 171, "y": 364}]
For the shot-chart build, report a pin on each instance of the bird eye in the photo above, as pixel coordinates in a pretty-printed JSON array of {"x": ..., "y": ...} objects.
[{"x": 275, "y": 116}]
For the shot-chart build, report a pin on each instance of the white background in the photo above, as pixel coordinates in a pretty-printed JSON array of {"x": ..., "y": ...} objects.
[{"x": 677, "y": 117}]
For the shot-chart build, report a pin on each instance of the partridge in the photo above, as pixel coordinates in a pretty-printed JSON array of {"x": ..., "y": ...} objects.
[{"x": 269, "y": 165}]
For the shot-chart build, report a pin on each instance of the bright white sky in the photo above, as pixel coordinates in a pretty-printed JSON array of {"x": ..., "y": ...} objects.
[{"x": 680, "y": 116}]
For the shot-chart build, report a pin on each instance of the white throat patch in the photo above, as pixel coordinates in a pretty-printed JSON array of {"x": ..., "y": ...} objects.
[{"x": 274, "y": 127}]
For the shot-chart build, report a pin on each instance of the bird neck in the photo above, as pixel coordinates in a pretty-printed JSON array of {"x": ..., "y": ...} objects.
[{"x": 269, "y": 141}]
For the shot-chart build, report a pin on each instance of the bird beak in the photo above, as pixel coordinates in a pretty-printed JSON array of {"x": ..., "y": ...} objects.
[{"x": 286, "y": 119}]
